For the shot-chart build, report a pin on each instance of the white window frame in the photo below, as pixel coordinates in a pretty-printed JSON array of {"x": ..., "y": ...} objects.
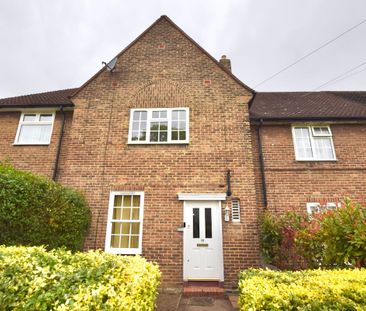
[
  {"x": 312, "y": 143},
  {"x": 328, "y": 206},
  {"x": 148, "y": 122},
  {"x": 37, "y": 122},
  {"x": 123, "y": 251}
]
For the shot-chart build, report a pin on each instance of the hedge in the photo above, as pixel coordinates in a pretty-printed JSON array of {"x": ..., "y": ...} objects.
[
  {"x": 303, "y": 290},
  {"x": 36, "y": 211},
  {"x": 34, "y": 279}
]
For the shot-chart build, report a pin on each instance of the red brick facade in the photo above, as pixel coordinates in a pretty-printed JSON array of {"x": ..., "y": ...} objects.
[
  {"x": 166, "y": 69},
  {"x": 291, "y": 184}
]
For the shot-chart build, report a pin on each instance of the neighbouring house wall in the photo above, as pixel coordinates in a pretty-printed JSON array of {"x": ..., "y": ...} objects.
[
  {"x": 39, "y": 159},
  {"x": 291, "y": 184},
  {"x": 164, "y": 69}
]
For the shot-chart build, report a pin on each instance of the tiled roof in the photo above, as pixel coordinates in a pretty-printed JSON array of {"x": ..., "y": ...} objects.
[
  {"x": 46, "y": 99},
  {"x": 308, "y": 105}
]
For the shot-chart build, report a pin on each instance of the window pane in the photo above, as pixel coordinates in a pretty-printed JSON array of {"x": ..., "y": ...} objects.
[
  {"x": 117, "y": 213},
  {"x": 46, "y": 117},
  {"x": 174, "y": 125},
  {"x": 182, "y": 135},
  {"x": 134, "y": 242},
  {"x": 126, "y": 213},
  {"x": 175, "y": 115},
  {"x": 136, "y": 201},
  {"x": 155, "y": 114},
  {"x": 182, "y": 114},
  {"x": 182, "y": 125},
  {"x": 163, "y": 126},
  {"x": 196, "y": 223},
  {"x": 163, "y": 114},
  {"x": 323, "y": 148},
  {"x": 29, "y": 117},
  {"x": 34, "y": 133},
  {"x": 124, "y": 241},
  {"x": 174, "y": 135},
  {"x": 154, "y": 126},
  {"x": 143, "y": 116},
  {"x": 321, "y": 130},
  {"x": 118, "y": 200},
  {"x": 135, "y": 214},
  {"x": 127, "y": 200},
  {"x": 208, "y": 223},
  {"x": 126, "y": 228},
  {"x": 135, "y": 136},
  {"x": 135, "y": 228},
  {"x": 115, "y": 241},
  {"x": 116, "y": 227},
  {"x": 135, "y": 126},
  {"x": 136, "y": 115},
  {"x": 143, "y": 126},
  {"x": 154, "y": 136},
  {"x": 163, "y": 136},
  {"x": 302, "y": 142},
  {"x": 142, "y": 136}
]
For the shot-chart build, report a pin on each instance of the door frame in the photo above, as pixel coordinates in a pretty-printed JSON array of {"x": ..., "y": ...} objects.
[{"x": 216, "y": 199}]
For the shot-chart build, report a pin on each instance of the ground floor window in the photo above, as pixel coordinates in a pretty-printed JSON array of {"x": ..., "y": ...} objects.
[{"x": 124, "y": 227}]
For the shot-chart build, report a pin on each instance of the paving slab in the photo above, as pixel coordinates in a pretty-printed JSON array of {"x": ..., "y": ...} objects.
[
  {"x": 205, "y": 304},
  {"x": 168, "y": 301}
]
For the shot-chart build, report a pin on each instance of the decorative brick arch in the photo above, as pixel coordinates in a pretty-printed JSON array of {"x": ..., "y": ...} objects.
[{"x": 160, "y": 94}]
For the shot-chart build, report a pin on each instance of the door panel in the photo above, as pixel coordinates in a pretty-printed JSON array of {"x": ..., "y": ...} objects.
[{"x": 203, "y": 258}]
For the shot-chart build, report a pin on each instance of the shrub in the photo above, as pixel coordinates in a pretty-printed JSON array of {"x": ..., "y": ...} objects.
[
  {"x": 336, "y": 238},
  {"x": 34, "y": 279},
  {"x": 278, "y": 239},
  {"x": 37, "y": 211},
  {"x": 302, "y": 290}
]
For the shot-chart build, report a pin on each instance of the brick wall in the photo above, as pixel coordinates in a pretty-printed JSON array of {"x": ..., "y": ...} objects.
[
  {"x": 39, "y": 159},
  {"x": 291, "y": 184},
  {"x": 100, "y": 160}
]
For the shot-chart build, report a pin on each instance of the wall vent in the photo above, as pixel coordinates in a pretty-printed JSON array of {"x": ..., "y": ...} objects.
[{"x": 235, "y": 210}]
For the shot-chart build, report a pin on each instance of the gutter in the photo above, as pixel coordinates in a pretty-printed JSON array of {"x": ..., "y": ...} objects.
[
  {"x": 58, "y": 152},
  {"x": 261, "y": 165}
]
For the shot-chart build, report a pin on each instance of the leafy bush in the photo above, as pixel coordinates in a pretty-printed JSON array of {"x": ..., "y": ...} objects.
[
  {"x": 34, "y": 279},
  {"x": 278, "y": 239},
  {"x": 336, "y": 238},
  {"x": 37, "y": 211},
  {"x": 332, "y": 238},
  {"x": 303, "y": 290}
]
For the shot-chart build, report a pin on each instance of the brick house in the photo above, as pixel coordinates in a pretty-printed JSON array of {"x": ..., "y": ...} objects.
[{"x": 177, "y": 157}]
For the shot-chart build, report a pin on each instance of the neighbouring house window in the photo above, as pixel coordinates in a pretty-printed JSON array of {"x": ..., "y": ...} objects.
[
  {"x": 159, "y": 126},
  {"x": 313, "y": 143},
  {"x": 316, "y": 207},
  {"x": 124, "y": 227},
  {"x": 35, "y": 128}
]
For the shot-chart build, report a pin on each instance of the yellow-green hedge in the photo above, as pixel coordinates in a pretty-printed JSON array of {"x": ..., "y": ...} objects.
[
  {"x": 303, "y": 290},
  {"x": 33, "y": 279}
]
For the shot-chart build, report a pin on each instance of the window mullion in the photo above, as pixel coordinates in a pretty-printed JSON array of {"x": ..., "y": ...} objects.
[
  {"x": 169, "y": 116},
  {"x": 149, "y": 114},
  {"x": 312, "y": 143}
]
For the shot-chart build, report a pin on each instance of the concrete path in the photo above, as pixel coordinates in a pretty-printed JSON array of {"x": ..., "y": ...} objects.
[{"x": 175, "y": 302}]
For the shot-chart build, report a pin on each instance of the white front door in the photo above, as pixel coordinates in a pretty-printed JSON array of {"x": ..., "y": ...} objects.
[{"x": 202, "y": 255}]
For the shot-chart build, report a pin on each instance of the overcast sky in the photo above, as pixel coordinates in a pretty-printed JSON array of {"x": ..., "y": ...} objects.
[{"x": 49, "y": 45}]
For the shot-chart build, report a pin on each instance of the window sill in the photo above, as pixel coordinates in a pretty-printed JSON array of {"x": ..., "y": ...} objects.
[
  {"x": 123, "y": 251},
  {"x": 31, "y": 144},
  {"x": 316, "y": 160},
  {"x": 158, "y": 143}
]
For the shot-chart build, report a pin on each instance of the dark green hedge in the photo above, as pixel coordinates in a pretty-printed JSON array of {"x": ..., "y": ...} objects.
[{"x": 37, "y": 211}]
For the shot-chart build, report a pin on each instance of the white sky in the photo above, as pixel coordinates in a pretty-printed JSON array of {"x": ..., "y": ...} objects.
[{"x": 48, "y": 45}]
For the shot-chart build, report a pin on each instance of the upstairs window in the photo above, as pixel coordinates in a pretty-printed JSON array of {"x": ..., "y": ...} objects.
[
  {"x": 35, "y": 128},
  {"x": 313, "y": 143},
  {"x": 159, "y": 126}
]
